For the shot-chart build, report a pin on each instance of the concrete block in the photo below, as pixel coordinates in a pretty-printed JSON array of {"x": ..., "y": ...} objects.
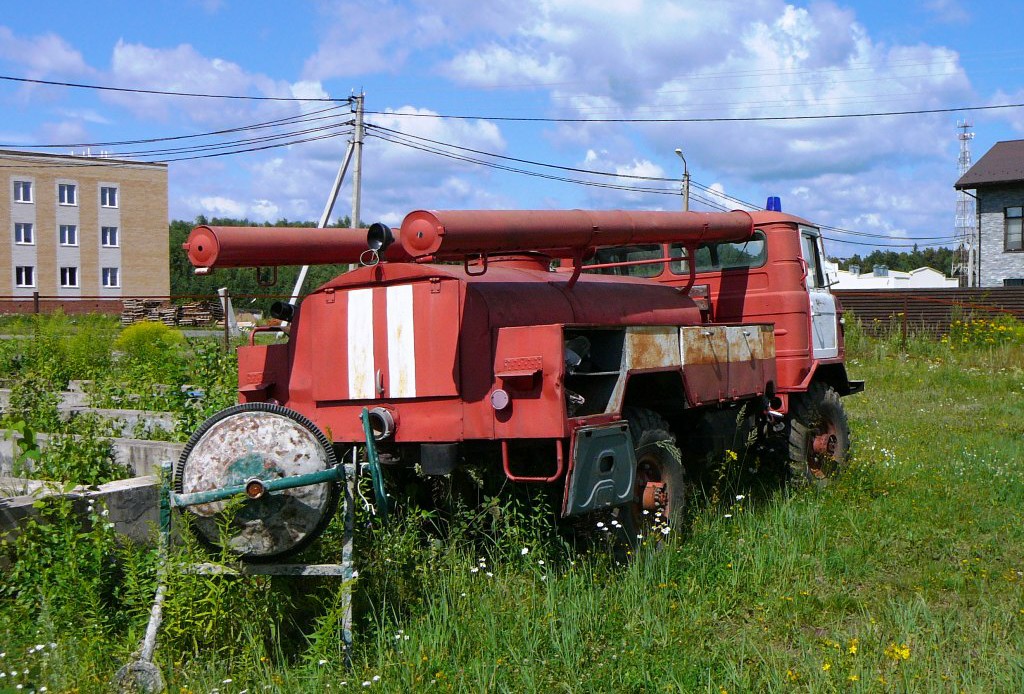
[
  {"x": 140, "y": 456},
  {"x": 133, "y": 505}
]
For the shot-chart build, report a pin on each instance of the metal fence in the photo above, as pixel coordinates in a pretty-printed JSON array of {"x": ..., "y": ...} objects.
[{"x": 930, "y": 311}]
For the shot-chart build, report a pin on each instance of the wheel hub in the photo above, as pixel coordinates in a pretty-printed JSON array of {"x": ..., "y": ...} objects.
[
  {"x": 654, "y": 496},
  {"x": 825, "y": 444}
]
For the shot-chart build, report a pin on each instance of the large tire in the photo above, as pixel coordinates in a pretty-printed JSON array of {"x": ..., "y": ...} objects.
[
  {"x": 660, "y": 487},
  {"x": 819, "y": 436}
]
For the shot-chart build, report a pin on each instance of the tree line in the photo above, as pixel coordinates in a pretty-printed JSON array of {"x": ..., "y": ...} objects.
[{"x": 904, "y": 261}]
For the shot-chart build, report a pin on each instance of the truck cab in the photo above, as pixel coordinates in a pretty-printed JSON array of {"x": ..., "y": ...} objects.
[{"x": 776, "y": 276}]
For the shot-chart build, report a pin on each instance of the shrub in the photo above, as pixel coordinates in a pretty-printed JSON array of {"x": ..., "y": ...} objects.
[
  {"x": 35, "y": 397},
  {"x": 147, "y": 341}
]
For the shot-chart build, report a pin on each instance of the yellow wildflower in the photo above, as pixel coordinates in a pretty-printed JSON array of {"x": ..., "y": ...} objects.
[{"x": 898, "y": 651}]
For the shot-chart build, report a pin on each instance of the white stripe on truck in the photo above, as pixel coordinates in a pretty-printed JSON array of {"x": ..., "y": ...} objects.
[
  {"x": 361, "y": 384},
  {"x": 401, "y": 343}
]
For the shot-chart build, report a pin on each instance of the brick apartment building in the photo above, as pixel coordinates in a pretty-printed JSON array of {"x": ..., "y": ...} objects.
[{"x": 83, "y": 232}]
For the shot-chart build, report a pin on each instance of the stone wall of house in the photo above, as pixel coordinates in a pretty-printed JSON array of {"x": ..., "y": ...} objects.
[{"x": 997, "y": 264}]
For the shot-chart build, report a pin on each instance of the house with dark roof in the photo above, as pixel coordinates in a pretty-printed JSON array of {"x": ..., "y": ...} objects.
[{"x": 997, "y": 180}]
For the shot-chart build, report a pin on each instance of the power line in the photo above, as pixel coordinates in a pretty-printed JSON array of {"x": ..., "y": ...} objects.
[
  {"x": 710, "y": 203},
  {"x": 91, "y": 161},
  {"x": 714, "y": 119},
  {"x": 300, "y": 118},
  {"x": 501, "y": 167},
  {"x": 167, "y": 93},
  {"x": 715, "y": 193}
]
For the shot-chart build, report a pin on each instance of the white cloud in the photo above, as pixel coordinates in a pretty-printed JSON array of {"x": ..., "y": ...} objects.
[
  {"x": 657, "y": 59},
  {"x": 86, "y": 115},
  {"x": 265, "y": 209},
  {"x": 43, "y": 55},
  {"x": 498, "y": 65},
  {"x": 219, "y": 206},
  {"x": 359, "y": 38},
  {"x": 948, "y": 11},
  {"x": 184, "y": 69}
]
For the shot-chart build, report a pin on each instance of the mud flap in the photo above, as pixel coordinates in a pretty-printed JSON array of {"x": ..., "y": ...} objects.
[{"x": 603, "y": 469}]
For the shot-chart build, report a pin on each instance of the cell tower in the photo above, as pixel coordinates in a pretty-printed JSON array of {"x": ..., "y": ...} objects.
[{"x": 965, "y": 256}]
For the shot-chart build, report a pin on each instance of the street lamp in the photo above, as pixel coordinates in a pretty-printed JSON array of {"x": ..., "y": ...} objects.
[{"x": 686, "y": 182}]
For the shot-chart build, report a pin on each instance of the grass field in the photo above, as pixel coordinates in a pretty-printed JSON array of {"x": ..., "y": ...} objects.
[{"x": 905, "y": 574}]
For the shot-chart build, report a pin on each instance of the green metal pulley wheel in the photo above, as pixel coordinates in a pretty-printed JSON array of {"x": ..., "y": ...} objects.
[{"x": 249, "y": 446}]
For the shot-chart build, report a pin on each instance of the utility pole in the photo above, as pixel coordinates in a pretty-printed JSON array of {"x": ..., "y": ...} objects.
[
  {"x": 686, "y": 181},
  {"x": 355, "y": 146},
  {"x": 357, "y": 169}
]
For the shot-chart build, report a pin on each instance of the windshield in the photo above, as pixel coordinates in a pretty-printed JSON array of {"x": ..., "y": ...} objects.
[{"x": 712, "y": 257}]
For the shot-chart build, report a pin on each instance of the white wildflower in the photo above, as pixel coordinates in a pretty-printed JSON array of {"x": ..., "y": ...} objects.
[{"x": 524, "y": 551}]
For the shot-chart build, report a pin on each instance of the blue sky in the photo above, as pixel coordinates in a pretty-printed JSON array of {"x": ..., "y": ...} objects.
[{"x": 890, "y": 178}]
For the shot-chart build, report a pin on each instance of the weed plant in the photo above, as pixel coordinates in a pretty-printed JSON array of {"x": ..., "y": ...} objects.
[
  {"x": 146, "y": 366},
  {"x": 905, "y": 574}
]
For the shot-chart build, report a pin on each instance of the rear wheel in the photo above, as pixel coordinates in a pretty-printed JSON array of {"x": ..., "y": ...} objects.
[
  {"x": 660, "y": 488},
  {"x": 819, "y": 436}
]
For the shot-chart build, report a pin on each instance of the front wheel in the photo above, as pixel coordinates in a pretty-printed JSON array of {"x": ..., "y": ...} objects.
[
  {"x": 819, "y": 436},
  {"x": 660, "y": 488}
]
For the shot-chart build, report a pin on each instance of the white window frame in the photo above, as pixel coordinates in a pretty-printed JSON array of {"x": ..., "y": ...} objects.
[
  {"x": 106, "y": 193},
  {"x": 67, "y": 234},
  {"x": 21, "y": 238},
  {"x": 67, "y": 194},
  {"x": 109, "y": 273},
  {"x": 20, "y": 188},
  {"x": 69, "y": 277},
  {"x": 105, "y": 233},
  {"x": 1013, "y": 216},
  {"x": 22, "y": 270}
]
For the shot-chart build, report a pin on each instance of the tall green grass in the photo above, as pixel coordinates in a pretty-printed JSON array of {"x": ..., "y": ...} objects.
[{"x": 906, "y": 574}]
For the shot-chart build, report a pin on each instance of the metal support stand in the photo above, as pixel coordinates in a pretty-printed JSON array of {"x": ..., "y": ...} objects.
[{"x": 142, "y": 675}]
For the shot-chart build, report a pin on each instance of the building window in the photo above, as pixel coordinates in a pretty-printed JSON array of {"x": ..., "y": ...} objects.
[
  {"x": 23, "y": 191},
  {"x": 66, "y": 194},
  {"x": 1014, "y": 223},
  {"x": 69, "y": 277},
  {"x": 68, "y": 235},
  {"x": 108, "y": 237},
  {"x": 108, "y": 197},
  {"x": 23, "y": 233},
  {"x": 111, "y": 277},
  {"x": 24, "y": 276}
]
